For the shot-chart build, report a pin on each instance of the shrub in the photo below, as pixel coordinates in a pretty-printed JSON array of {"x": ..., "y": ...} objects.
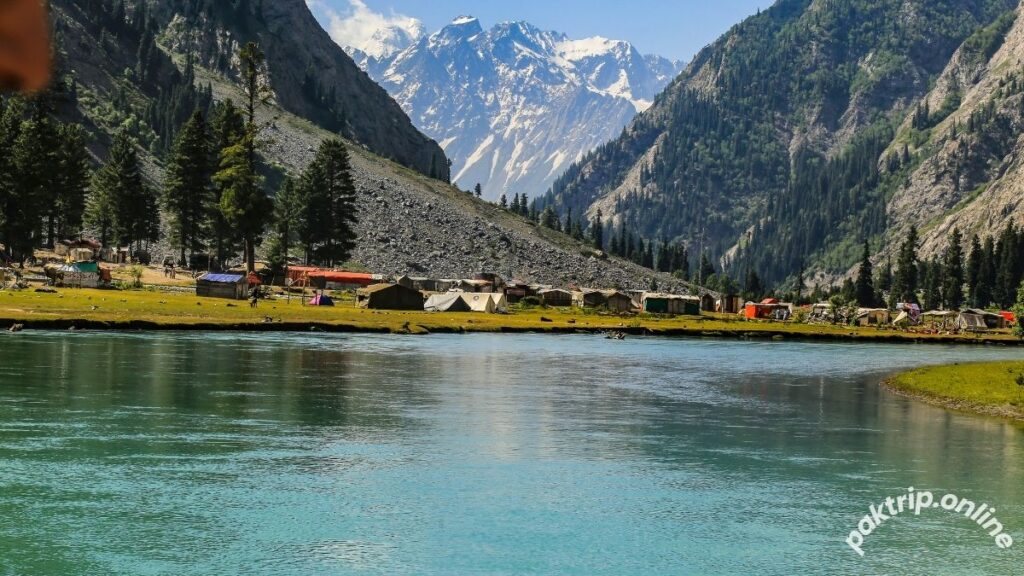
[{"x": 136, "y": 272}]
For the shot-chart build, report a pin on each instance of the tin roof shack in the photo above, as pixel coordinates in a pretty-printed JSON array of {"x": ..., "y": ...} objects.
[
  {"x": 654, "y": 303},
  {"x": 477, "y": 286},
  {"x": 872, "y": 317},
  {"x": 81, "y": 275},
  {"x": 420, "y": 283},
  {"x": 516, "y": 291},
  {"x": 389, "y": 297},
  {"x": 939, "y": 320},
  {"x": 555, "y": 297},
  {"x": 67, "y": 248},
  {"x": 446, "y": 303},
  {"x": 339, "y": 280},
  {"x": 230, "y": 286}
]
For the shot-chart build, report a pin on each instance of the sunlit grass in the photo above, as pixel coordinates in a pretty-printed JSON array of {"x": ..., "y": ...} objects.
[
  {"x": 980, "y": 387},
  {"x": 141, "y": 308}
]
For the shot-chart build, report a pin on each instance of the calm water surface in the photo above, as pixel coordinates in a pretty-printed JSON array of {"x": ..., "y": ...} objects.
[{"x": 293, "y": 454}]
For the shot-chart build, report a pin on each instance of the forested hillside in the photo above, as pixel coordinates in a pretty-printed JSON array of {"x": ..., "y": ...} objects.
[
  {"x": 791, "y": 139},
  {"x": 133, "y": 64}
]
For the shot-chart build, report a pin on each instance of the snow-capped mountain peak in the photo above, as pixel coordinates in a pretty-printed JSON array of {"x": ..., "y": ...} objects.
[{"x": 514, "y": 106}]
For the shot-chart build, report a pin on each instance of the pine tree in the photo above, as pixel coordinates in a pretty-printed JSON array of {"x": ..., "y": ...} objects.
[
  {"x": 524, "y": 206},
  {"x": 503, "y": 202},
  {"x": 478, "y": 190},
  {"x": 932, "y": 285},
  {"x": 245, "y": 206},
  {"x": 74, "y": 173},
  {"x": 515, "y": 204},
  {"x": 120, "y": 204},
  {"x": 549, "y": 219},
  {"x": 985, "y": 286},
  {"x": 905, "y": 281},
  {"x": 597, "y": 231},
  {"x": 330, "y": 197},
  {"x": 10, "y": 205},
  {"x": 865, "y": 286},
  {"x": 227, "y": 126},
  {"x": 1007, "y": 263},
  {"x": 187, "y": 187},
  {"x": 974, "y": 262},
  {"x": 953, "y": 272},
  {"x": 289, "y": 211}
]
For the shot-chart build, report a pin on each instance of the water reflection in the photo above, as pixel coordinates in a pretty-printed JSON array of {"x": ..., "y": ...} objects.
[{"x": 298, "y": 454}]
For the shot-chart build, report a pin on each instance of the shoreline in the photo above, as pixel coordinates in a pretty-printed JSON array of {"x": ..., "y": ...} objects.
[
  {"x": 904, "y": 385},
  {"x": 754, "y": 332}
]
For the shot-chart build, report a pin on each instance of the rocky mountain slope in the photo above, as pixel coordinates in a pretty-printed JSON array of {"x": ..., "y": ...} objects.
[
  {"x": 408, "y": 221},
  {"x": 309, "y": 74},
  {"x": 793, "y": 137},
  {"x": 514, "y": 106}
]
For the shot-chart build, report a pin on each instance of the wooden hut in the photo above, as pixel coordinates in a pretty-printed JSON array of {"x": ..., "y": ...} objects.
[
  {"x": 616, "y": 301},
  {"x": 389, "y": 297},
  {"x": 555, "y": 297},
  {"x": 230, "y": 286},
  {"x": 729, "y": 304},
  {"x": 707, "y": 303},
  {"x": 587, "y": 298}
]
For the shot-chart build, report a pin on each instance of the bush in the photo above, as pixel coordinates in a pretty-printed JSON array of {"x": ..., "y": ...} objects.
[
  {"x": 530, "y": 302},
  {"x": 136, "y": 272}
]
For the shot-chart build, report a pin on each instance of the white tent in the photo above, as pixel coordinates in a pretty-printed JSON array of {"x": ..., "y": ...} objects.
[
  {"x": 500, "y": 302},
  {"x": 480, "y": 302},
  {"x": 446, "y": 303}
]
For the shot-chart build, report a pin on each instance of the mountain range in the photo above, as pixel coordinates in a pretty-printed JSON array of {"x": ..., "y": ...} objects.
[
  {"x": 817, "y": 124},
  {"x": 512, "y": 106},
  {"x": 145, "y": 66}
]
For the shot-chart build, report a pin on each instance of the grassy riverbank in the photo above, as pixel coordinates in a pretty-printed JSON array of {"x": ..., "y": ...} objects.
[
  {"x": 992, "y": 388},
  {"x": 153, "y": 309}
]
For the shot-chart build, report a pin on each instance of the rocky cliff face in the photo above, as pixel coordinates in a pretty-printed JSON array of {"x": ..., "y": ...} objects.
[
  {"x": 514, "y": 106},
  {"x": 970, "y": 174}
]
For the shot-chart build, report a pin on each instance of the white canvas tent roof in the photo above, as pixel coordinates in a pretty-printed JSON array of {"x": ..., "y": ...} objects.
[
  {"x": 971, "y": 322},
  {"x": 500, "y": 301},
  {"x": 446, "y": 303},
  {"x": 480, "y": 302}
]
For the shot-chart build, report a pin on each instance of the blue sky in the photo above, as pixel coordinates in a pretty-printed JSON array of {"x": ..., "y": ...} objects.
[{"x": 673, "y": 28}]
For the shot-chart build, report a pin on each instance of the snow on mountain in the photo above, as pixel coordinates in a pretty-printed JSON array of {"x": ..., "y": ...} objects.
[{"x": 514, "y": 106}]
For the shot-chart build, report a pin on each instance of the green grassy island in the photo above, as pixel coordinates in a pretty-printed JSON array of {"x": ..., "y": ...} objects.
[{"x": 990, "y": 388}]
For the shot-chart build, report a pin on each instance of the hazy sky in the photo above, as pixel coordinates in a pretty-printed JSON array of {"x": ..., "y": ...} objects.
[{"x": 673, "y": 28}]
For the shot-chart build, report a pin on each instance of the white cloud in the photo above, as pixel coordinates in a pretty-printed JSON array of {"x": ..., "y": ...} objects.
[{"x": 374, "y": 33}]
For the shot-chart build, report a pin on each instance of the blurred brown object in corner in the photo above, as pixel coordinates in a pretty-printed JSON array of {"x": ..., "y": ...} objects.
[{"x": 24, "y": 45}]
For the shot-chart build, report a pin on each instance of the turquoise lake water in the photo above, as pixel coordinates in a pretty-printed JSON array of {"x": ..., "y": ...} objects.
[{"x": 187, "y": 454}]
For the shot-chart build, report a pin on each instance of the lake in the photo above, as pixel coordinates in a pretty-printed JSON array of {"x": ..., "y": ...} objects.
[{"x": 296, "y": 454}]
